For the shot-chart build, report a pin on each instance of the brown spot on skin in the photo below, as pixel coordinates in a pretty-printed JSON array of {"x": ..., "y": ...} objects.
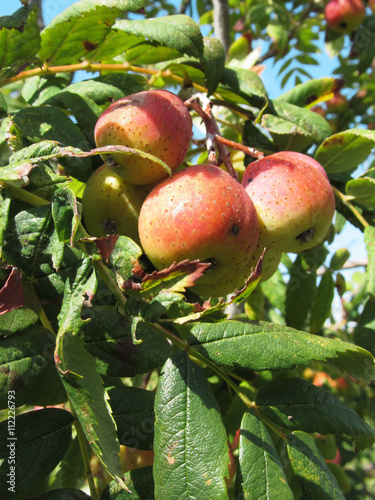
[
  {"x": 234, "y": 230},
  {"x": 109, "y": 226},
  {"x": 306, "y": 236}
]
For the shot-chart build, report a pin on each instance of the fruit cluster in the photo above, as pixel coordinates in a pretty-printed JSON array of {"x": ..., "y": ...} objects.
[{"x": 284, "y": 203}]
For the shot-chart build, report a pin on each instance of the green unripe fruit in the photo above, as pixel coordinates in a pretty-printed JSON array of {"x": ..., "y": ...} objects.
[
  {"x": 201, "y": 213},
  {"x": 154, "y": 121},
  {"x": 111, "y": 206}
]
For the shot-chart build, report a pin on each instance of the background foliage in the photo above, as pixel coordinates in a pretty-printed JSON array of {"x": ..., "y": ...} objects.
[{"x": 148, "y": 391}]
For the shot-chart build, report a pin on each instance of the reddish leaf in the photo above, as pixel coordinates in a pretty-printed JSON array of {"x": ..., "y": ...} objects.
[
  {"x": 194, "y": 269},
  {"x": 11, "y": 295}
]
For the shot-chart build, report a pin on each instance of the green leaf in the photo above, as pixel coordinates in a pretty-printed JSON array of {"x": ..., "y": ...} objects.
[
  {"x": 362, "y": 191},
  {"x": 27, "y": 368},
  {"x": 294, "y": 128},
  {"x": 322, "y": 305},
  {"x": 296, "y": 404},
  {"x": 309, "y": 92},
  {"x": 279, "y": 34},
  {"x": 81, "y": 288},
  {"x": 108, "y": 338},
  {"x": 80, "y": 28},
  {"x": 364, "y": 332},
  {"x": 191, "y": 451},
  {"x": 260, "y": 473},
  {"x": 133, "y": 411},
  {"x": 262, "y": 346},
  {"x": 338, "y": 259},
  {"x": 19, "y": 36},
  {"x": 43, "y": 436},
  {"x": 244, "y": 83},
  {"x": 40, "y": 123},
  {"x": 140, "y": 483},
  {"x": 345, "y": 150},
  {"x": 38, "y": 89},
  {"x": 312, "y": 471},
  {"x": 370, "y": 247},
  {"x": 177, "y": 32},
  {"x": 213, "y": 63},
  {"x": 300, "y": 294},
  {"x": 66, "y": 214},
  {"x": 31, "y": 243},
  {"x": 3, "y": 105},
  {"x": 90, "y": 401}
]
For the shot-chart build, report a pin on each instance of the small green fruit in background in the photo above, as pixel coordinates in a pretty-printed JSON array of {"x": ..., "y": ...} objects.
[
  {"x": 154, "y": 121},
  {"x": 201, "y": 213},
  {"x": 343, "y": 16},
  {"x": 111, "y": 206},
  {"x": 293, "y": 198}
]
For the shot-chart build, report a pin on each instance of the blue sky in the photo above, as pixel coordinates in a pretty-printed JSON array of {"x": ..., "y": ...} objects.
[{"x": 351, "y": 237}]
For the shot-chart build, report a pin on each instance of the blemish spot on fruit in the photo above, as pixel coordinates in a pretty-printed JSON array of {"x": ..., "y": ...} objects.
[
  {"x": 234, "y": 230},
  {"x": 212, "y": 261},
  {"x": 109, "y": 226},
  {"x": 306, "y": 236},
  {"x": 110, "y": 161}
]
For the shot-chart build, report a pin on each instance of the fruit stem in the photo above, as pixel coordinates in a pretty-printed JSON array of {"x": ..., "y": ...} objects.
[
  {"x": 235, "y": 145},
  {"x": 110, "y": 282},
  {"x": 212, "y": 131},
  {"x": 347, "y": 203}
]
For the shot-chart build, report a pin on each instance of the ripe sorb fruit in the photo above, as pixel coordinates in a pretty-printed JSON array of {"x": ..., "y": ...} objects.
[
  {"x": 111, "y": 206},
  {"x": 154, "y": 121},
  {"x": 293, "y": 198},
  {"x": 343, "y": 16},
  {"x": 270, "y": 262},
  {"x": 201, "y": 213}
]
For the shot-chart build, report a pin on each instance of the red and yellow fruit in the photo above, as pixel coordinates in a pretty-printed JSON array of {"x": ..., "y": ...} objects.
[
  {"x": 154, "y": 121},
  {"x": 293, "y": 198},
  {"x": 343, "y": 16},
  {"x": 201, "y": 213}
]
